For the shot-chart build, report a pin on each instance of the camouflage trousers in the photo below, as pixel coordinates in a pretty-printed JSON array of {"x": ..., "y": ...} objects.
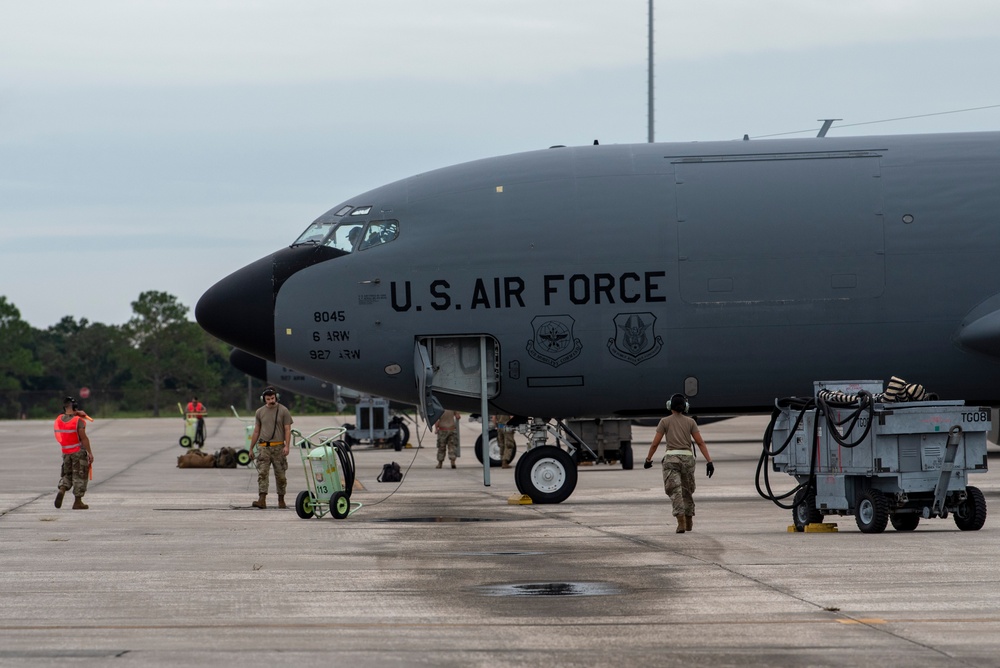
[
  {"x": 75, "y": 472},
  {"x": 678, "y": 483},
  {"x": 505, "y": 439},
  {"x": 447, "y": 441},
  {"x": 266, "y": 457}
]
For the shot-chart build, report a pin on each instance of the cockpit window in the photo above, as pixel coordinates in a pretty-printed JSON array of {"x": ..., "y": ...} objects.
[
  {"x": 315, "y": 233},
  {"x": 346, "y": 237},
  {"x": 342, "y": 211},
  {"x": 361, "y": 211},
  {"x": 379, "y": 232},
  {"x": 349, "y": 236}
]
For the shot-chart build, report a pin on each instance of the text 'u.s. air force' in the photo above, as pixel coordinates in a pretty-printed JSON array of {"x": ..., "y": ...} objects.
[{"x": 509, "y": 292}]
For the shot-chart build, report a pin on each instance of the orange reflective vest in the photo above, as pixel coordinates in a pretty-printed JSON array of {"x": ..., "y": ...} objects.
[
  {"x": 67, "y": 434},
  {"x": 195, "y": 409}
]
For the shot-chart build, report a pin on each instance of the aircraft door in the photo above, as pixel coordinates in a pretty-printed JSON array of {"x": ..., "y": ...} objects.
[
  {"x": 452, "y": 365},
  {"x": 430, "y": 407}
]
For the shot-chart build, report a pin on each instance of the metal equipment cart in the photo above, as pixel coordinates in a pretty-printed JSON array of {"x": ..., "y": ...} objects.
[
  {"x": 374, "y": 424},
  {"x": 881, "y": 462}
]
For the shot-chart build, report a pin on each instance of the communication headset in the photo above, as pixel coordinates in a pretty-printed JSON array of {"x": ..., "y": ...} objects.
[
  {"x": 269, "y": 390},
  {"x": 679, "y": 402}
]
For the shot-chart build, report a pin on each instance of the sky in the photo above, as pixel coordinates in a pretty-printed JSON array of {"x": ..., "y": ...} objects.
[{"x": 163, "y": 144}]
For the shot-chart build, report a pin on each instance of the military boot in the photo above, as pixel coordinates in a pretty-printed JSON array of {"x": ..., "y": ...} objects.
[
  {"x": 79, "y": 504},
  {"x": 681, "y": 524},
  {"x": 59, "y": 496},
  {"x": 260, "y": 503},
  {"x": 689, "y": 522},
  {"x": 281, "y": 501}
]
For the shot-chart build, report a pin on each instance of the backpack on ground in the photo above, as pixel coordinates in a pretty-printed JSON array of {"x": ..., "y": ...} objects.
[
  {"x": 225, "y": 458},
  {"x": 390, "y": 473},
  {"x": 196, "y": 459}
]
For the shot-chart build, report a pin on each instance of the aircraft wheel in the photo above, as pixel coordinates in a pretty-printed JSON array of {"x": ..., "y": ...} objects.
[
  {"x": 904, "y": 521},
  {"x": 494, "y": 449},
  {"x": 397, "y": 442},
  {"x": 873, "y": 512},
  {"x": 971, "y": 513},
  {"x": 305, "y": 505},
  {"x": 625, "y": 455},
  {"x": 350, "y": 440},
  {"x": 340, "y": 505},
  {"x": 185, "y": 441},
  {"x": 547, "y": 474},
  {"x": 804, "y": 510},
  {"x": 243, "y": 457}
]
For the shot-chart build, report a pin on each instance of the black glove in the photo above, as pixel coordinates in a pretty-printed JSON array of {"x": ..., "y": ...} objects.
[
  {"x": 647, "y": 464},
  {"x": 709, "y": 469}
]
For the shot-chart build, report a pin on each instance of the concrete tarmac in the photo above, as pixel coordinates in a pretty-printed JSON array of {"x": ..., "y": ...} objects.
[{"x": 173, "y": 567}]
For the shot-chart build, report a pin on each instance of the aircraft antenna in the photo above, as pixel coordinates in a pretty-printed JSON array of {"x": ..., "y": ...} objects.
[
  {"x": 827, "y": 122},
  {"x": 650, "y": 91}
]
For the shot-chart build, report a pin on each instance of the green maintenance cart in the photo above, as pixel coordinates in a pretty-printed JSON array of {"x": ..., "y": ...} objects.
[
  {"x": 194, "y": 429},
  {"x": 329, "y": 468}
]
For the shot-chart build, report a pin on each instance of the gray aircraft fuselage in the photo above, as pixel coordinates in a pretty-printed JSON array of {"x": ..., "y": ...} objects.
[{"x": 609, "y": 277}]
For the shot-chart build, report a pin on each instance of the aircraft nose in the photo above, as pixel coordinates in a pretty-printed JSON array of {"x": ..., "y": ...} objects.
[{"x": 239, "y": 309}]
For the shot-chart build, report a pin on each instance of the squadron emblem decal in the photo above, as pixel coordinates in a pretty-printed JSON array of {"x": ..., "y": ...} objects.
[
  {"x": 553, "y": 342},
  {"x": 635, "y": 340}
]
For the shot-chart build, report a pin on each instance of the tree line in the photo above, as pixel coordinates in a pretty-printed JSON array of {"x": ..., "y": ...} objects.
[{"x": 142, "y": 368}]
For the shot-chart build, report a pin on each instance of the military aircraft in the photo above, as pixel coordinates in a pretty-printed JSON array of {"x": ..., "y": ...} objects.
[{"x": 599, "y": 280}]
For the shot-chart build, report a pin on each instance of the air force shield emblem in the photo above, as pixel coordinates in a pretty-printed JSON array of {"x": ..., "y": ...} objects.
[
  {"x": 553, "y": 342},
  {"x": 635, "y": 341}
]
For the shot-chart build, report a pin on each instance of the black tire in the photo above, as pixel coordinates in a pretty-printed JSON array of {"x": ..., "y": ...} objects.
[
  {"x": 243, "y": 457},
  {"x": 350, "y": 440},
  {"x": 804, "y": 511},
  {"x": 185, "y": 441},
  {"x": 872, "y": 514},
  {"x": 494, "y": 449},
  {"x": 625, "y": 455},
  {"x": 904, "y": 521},
  {"x": 547, "y": 474},
  {"x": 340, "y": 505},
  {"x": 397, "y": 442},
  {"x": 971, "y": 513},
  {"x": 305, "y": 505},
  {"x": 404, "y": 432}
]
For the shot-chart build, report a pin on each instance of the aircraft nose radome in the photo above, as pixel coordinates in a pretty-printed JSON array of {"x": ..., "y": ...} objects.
[{"x": 239, "y": 309}]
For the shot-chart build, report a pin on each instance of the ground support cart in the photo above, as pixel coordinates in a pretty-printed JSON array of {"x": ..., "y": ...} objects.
[
  {"x": 243, "y": 454},
  {"x": 374, "y": 424},
  {"x": 194, "y": 429},
  {"x": 329, "y": 470},
  {"x": 889, "y": 462}
]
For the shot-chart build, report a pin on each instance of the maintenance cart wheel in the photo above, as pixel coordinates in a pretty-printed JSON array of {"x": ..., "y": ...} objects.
[
  {"x": 625, "y": 455},
  {"x": 494, "y": 449},
  {"x": 804, "y": 510},
  {"x": 340, "y": 505},
  {"x": 971, "y": 513},
  {"x": 185, "y": 441},
  {"x": 904, "y": 521},
  {"x": 305, "y": 504},
  {"x": 873, "y": 512},
  {"x": 547, "y": 474},
  {"x": 243, "y": 457}
]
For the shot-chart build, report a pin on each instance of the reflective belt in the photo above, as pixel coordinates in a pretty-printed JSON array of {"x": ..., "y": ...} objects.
[
  {"x": 678, "y": 452},
  {"x": 270, "y": 444}
]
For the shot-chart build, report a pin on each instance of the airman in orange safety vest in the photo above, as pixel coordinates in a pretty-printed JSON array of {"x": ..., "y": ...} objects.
[{"x": 71, "y": 434}]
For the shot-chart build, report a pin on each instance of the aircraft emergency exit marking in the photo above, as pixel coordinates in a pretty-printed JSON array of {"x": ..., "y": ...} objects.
[{"x": 555, "y": 289}]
